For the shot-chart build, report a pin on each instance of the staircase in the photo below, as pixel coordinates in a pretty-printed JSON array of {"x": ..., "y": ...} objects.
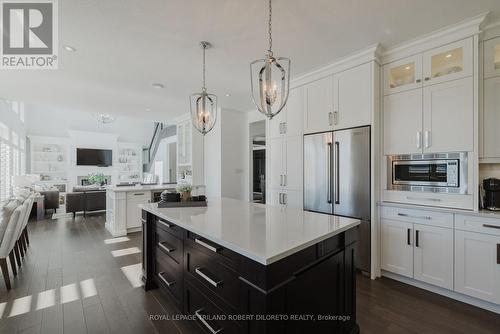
[{"x": 161, "y": 131}]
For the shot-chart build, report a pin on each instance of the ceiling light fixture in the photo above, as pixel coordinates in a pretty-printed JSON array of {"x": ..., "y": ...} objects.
[
  {"x": 228, "y": 95},
  {"x": 158, "y": 85},
  {"x": 203, "y": 105},
  {"x": 105, "y": 118},
  {"x": 448, "y": 55},
  {"x": 270, "y": 79}
]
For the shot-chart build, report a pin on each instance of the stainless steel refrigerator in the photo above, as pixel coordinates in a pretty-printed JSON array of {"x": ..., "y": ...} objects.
[{"x": 337, "y": 180}]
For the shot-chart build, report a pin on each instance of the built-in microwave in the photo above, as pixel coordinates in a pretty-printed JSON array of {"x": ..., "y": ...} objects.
[{"x": 439, "y": 172}]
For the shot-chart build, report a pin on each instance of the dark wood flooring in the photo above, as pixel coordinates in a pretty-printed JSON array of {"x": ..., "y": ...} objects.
[{"x": 66, "y": 252}]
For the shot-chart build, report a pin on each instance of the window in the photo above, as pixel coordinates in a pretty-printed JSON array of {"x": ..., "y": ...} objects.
[{"x": 12, "y": 154}]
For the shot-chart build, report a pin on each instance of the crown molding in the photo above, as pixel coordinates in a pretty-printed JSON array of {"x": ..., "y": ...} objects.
[
  {"x": 372, "y": 53},
  {"x": 491, "y": 30},
  {"x": 452, "y": 33}
]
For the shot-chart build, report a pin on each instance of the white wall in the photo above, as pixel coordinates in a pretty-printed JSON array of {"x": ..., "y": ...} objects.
[
  {"x": 11, "y": 119},
  {"x": 213, "y": 159},
  {"x": 51, "y": 122}
]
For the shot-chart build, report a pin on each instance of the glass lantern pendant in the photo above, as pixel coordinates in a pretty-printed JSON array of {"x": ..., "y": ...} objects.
[
  {"x": 203, "y": 105},
  {"x": 270, "y": 80}
]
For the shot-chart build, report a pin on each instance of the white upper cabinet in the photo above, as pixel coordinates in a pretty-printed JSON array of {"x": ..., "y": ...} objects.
[
  {"x": 319, "y": 105},
  {"x": 449, "y": 116},
  {"x": 352, "y": 97},
  {"x": 491, "y": 118},
  {"x": 403, "y": 75},
  {"x": 276, "y": 124},
  {"x": 449, "y": 62},
  {"x": 293, "y": 158},
  {"x": 276, "y": 154},
  {"x": 492, "y": 58},
  {"x": 295, "y": 112},
  {"x": 403, "y": 123}
]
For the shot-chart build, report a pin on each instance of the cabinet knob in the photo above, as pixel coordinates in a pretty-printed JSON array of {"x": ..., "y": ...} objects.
[
  {"x": 427, "y": 79},
  {"x": 418, "y": 81}
]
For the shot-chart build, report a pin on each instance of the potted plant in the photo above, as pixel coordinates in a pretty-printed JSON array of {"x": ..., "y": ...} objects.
[
  {"x": 97, "y": 178},
  {"x": 185, "y": 190}
]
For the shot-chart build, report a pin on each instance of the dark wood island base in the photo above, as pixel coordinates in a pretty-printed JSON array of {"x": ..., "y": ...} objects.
[{"x": 309, "y": 291}]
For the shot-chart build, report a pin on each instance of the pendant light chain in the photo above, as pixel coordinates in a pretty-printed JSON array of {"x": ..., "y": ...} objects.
[
  {"x": 270, "y": 29},
  {"x": 203, "y": 70}
]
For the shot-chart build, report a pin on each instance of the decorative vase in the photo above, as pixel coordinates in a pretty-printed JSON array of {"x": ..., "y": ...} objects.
[{"x": 185, "y": 195}]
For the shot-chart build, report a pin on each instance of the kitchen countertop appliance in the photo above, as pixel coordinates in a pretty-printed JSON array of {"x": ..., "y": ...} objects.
[
  {"x": 337, "y": 180},
  {"x": 491, "y": 188}
]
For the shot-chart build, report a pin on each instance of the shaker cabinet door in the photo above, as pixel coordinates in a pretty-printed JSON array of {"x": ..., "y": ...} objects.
[
  {"x": 275, "y": 158},
  {"x": 477, "y": 265},
  {"x": 433, "y": 255},
  {"x": 448, "y": 117},
  {"x": 402, "y": 75},
  {"x": 490, "y": 133},
  {"x": 319, "y": 105},
  {"x": 397, "y": 247},
  {"x": 403, "y": 122}
]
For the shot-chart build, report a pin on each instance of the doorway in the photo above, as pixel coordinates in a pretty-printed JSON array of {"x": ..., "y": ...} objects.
[{"x": 258, "y": 165}]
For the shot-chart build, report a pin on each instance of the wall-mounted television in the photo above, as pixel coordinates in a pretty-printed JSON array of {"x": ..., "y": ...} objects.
[{"x": 94, "y": 157}]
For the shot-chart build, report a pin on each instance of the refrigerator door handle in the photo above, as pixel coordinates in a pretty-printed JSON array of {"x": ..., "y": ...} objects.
[
  {"x": 329, "y": 173},
  {"x": 337, "y": 172}
]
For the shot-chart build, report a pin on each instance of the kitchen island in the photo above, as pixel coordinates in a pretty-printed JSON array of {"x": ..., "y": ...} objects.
[
  {"x": 240, "y": 267},
  {"x": 122, "y": 212}
]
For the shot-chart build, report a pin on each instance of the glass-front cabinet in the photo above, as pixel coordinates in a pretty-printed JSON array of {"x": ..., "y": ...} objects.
[
  {"x": 449, "y": 62},
  {"x": 403, "y": 75},
  {"x": 492, "y": 57}
]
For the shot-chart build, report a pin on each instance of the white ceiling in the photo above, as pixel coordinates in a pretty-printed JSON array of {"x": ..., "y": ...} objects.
[{"x": 123, "y": 46}]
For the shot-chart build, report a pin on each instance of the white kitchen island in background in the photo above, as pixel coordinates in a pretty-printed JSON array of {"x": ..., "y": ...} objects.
[{"x": 123, "y": 214}]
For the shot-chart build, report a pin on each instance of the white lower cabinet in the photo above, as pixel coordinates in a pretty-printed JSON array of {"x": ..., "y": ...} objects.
[
  {"x": 413, "y": 246},
  {"x": 433, "y": 255},
  {"x": 397, "y": 248},
  {"x": 477, "y": 265},
  {"x": 288, "y": 198},
  {"x": 134, "y": 213}
]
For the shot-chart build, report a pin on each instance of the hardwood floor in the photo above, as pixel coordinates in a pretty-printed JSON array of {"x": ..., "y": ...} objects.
[{"x": 70, "y": 282}]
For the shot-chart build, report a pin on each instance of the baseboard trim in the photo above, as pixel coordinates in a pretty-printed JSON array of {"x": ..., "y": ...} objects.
[
  {"x": 134, "y": 229},
  {"x": 113, "y": 232},
  {"x": 444, "y": 292}
]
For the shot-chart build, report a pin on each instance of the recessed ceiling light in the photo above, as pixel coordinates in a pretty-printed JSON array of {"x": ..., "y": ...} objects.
[
  {"x": 148, "y": 109},
  {"x": 228, "y": 95},
  {"x": 407, "y": 67},
  {"x": 448, "y": 55},
  {"x": 69, "y": 48},
  {"x": 158, "y": 85}
]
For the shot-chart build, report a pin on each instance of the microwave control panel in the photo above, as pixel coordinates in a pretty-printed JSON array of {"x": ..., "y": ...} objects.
[{"x": 452, "y": 173}]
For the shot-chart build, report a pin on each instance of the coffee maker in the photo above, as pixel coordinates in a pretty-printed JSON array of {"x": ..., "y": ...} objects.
[{"x": 491, "y": 188}]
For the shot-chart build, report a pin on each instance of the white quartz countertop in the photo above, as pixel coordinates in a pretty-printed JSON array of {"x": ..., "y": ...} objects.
[
  {"x": 263, "y": 233},
  {"x": 141, "y": 187}
]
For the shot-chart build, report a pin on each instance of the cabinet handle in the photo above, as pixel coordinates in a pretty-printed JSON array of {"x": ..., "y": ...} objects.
[
  {"x": 139, "y": 194},
  {"x": 284, "y": 198},
  {"x": 214, "y": 249},
  {"x": 423, "y": 199},
  {"x": 427, "y": 139},
  {"x": 408, "y": 236},
  {"x": 284, "y": 180},
  {"x": 165, "y": 224},
  {"x": 280, "y": 198},
  {"x": 284, "y": 127},
  {"x": 335, "y": 117},
  {"x": 205, "y": 323},
  {"x": 166, "y": 247},
  {"x": 160, "y": 275},
  {"x": 419, "y": 139},
  {"x": 207, "y": 278},
  {"x": 491, "y": 226},
  {"x": 427, "y": 79},
  {"x": 330, "y": 118},
  {"x": 416, "y": 238},
  {"x": 411, "y": 216},
  {"x": 418, "y": 81},
  {"x": 281, "y": 180}
]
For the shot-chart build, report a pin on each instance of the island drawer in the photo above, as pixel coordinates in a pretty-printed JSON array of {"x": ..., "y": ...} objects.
[
  {"x": 162, "y": 224},
  {"x": 169, "y": 278},
  {"x": 169, "y": 245},
  {"x": 209, "y": 316},
  {"x": 215, "y": 250},
  {"x": 217, "y": 277}
]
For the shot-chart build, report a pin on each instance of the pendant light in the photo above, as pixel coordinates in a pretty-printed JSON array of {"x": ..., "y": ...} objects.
[
  {"x": 270, "y": 79},
  {"x": 203, "y": 105}
]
